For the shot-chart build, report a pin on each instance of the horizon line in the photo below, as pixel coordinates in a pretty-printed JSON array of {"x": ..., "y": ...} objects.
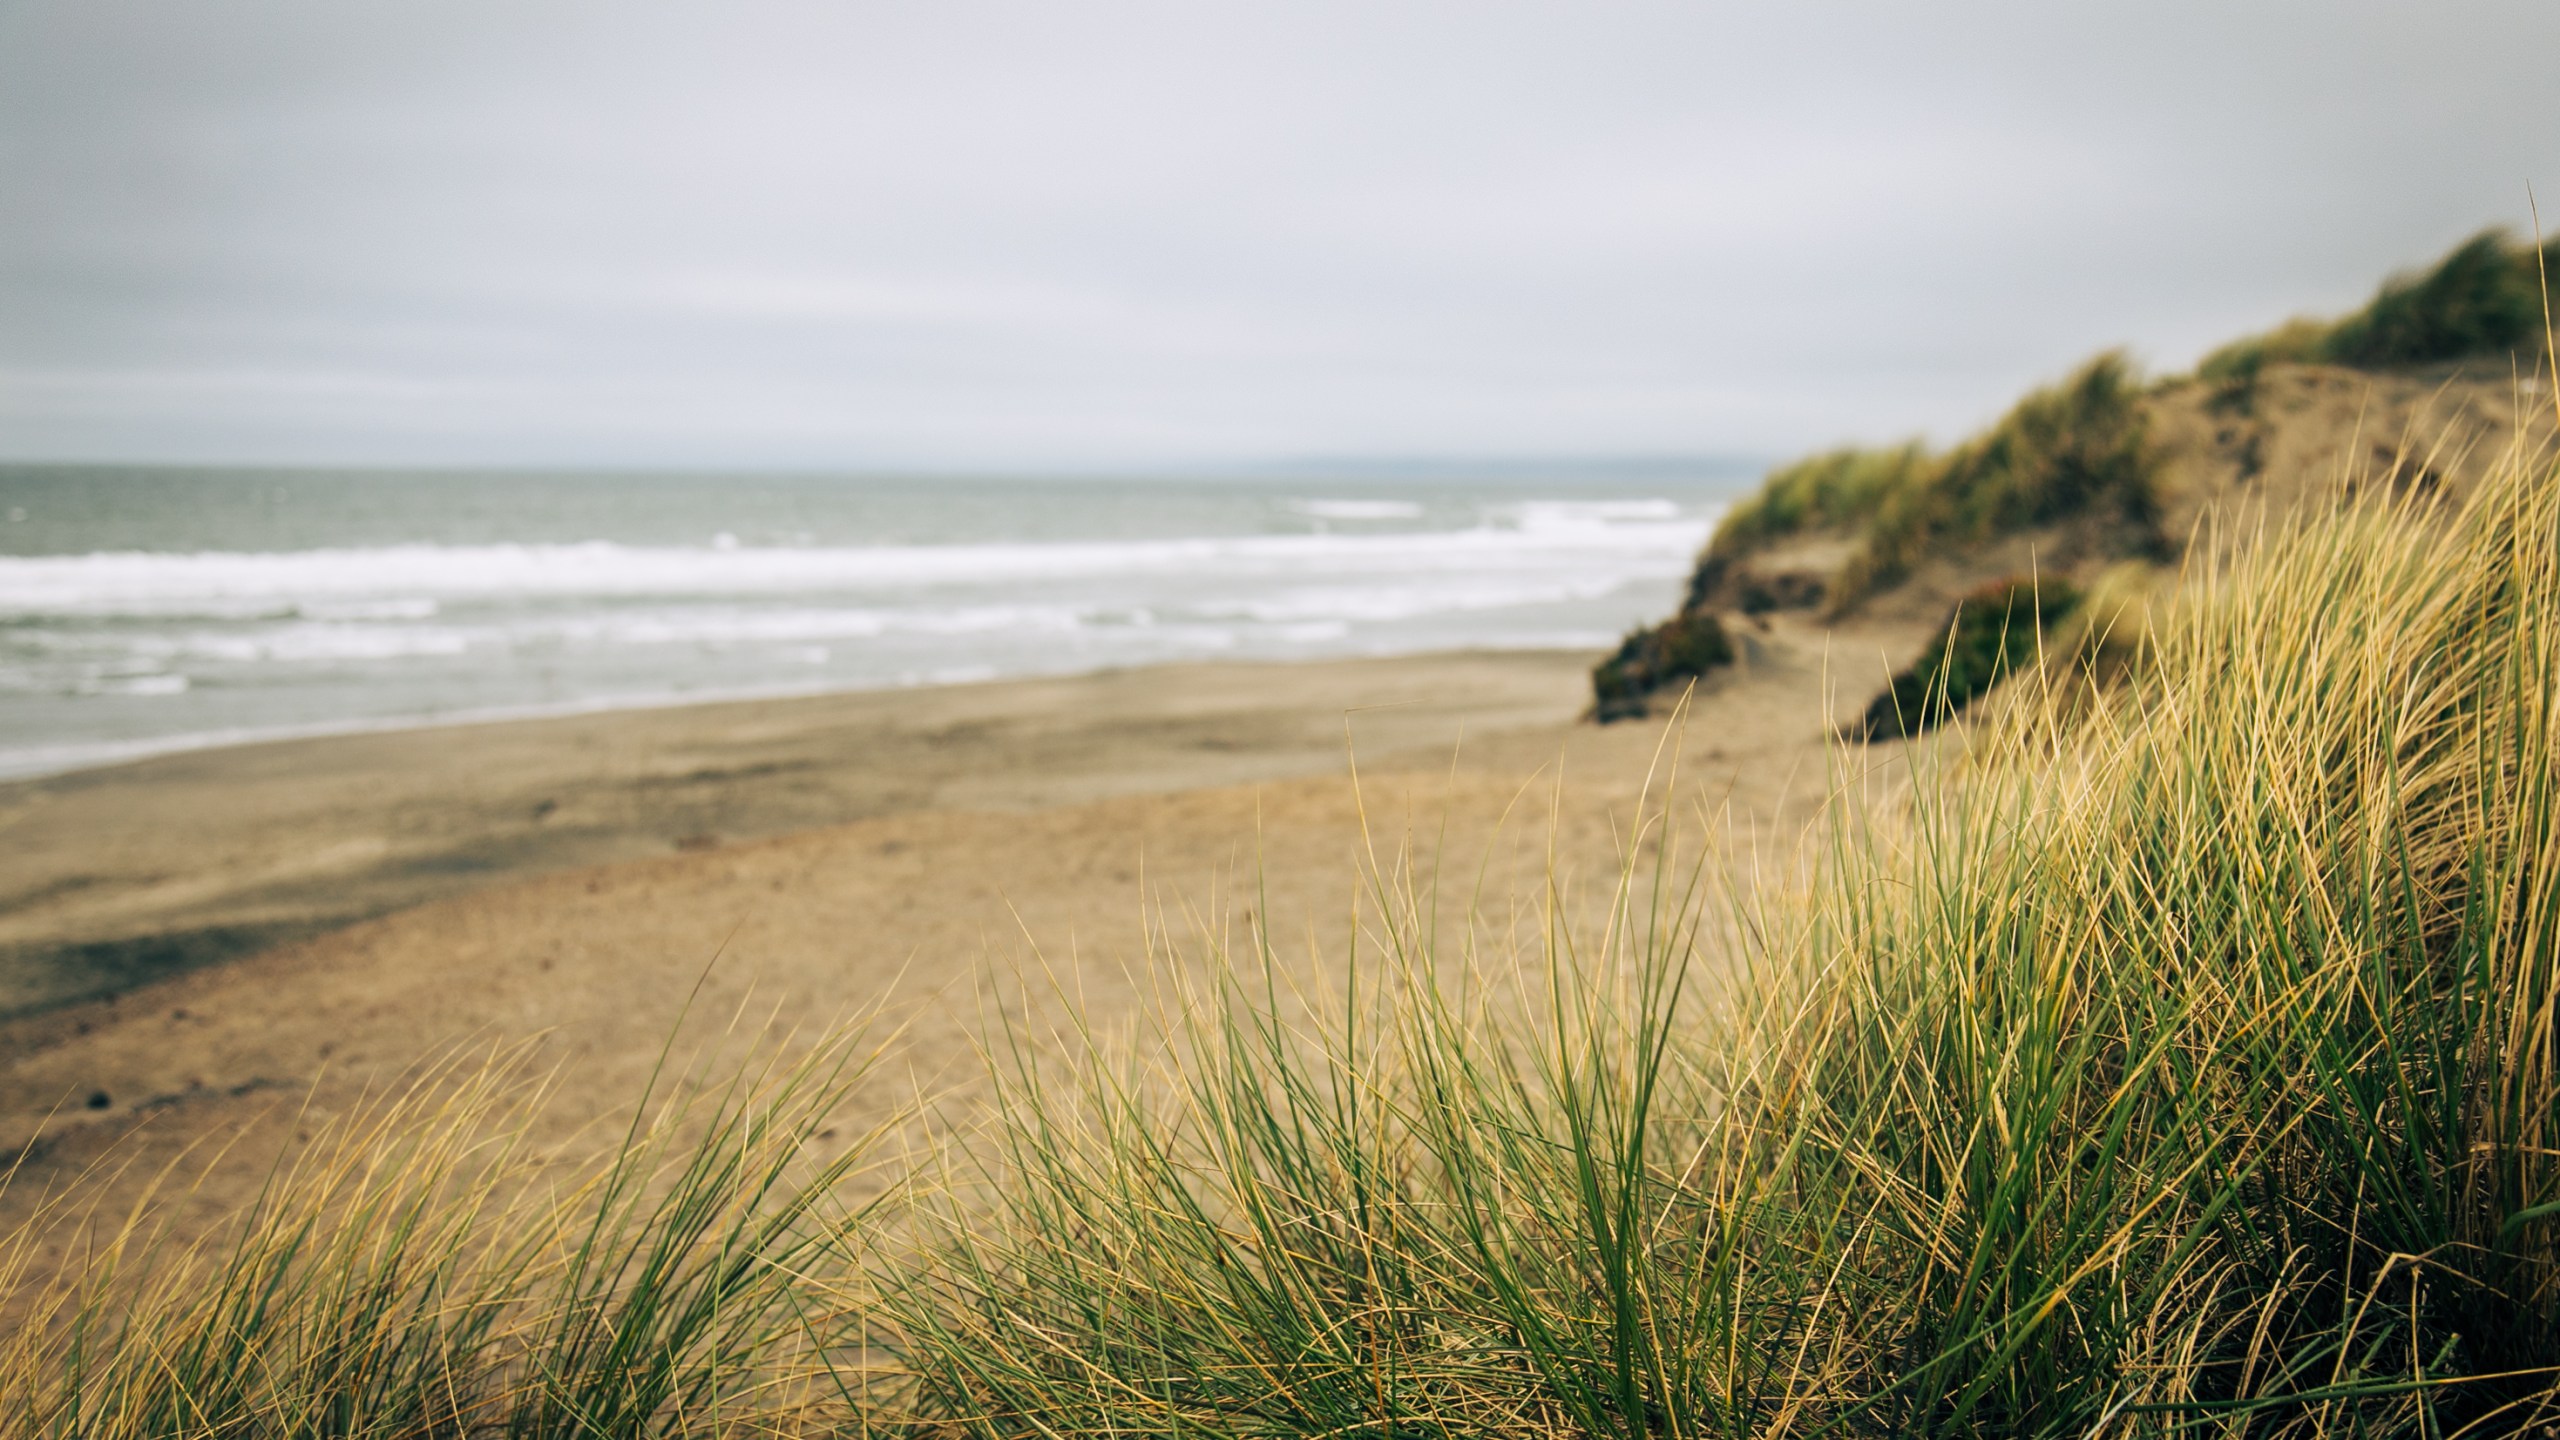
[{"x": 1704, "y": 464}]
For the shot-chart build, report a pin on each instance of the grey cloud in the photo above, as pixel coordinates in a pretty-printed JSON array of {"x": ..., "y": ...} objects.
[{"x": 1021, "y": 234}]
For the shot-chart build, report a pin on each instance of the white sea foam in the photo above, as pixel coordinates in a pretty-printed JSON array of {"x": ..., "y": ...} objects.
[
  {"x": 392, "y": 608},
  {"x": 119, "y": 654},
  {"x": 1358, "y": 509},
  {"x": 309, "y": 642},
  {"x": 1558, "y": 518},
  {"x": 414, "y": 581},
  {"x": 1383, "y": 602},
  {"x": 139, "y": 685}
]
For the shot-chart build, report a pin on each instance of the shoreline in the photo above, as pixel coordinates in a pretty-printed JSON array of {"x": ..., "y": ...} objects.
[
  {"x": 121, "y": 874},
  {"x": 110, "y": 754}
]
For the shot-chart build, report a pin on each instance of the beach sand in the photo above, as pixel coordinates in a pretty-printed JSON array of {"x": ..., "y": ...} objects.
[
  {"x": 584, "y": 883},
  {"x": 115, "y": 877}
]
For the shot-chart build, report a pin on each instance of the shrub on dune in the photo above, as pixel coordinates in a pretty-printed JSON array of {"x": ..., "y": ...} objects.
[
  {"x": 1992, "y": 633},
  {"x": 1686, "y": 647}
]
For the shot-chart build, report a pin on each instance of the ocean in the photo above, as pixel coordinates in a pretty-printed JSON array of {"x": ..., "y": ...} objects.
[{"x": 150, "y": 610}]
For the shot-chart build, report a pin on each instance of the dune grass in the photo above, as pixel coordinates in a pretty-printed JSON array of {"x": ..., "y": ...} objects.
[
  {"x": 2183, "y": 1061},
  {"x": 2178, "y": 1057},
  {"x": 2078, "y": 448},
  {"x": 419, "y": 1268},
  {"x": 2486, "y": 296}
]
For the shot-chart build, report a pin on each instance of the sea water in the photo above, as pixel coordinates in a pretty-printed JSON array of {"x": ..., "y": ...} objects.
[{"x": 145, "y": 610}]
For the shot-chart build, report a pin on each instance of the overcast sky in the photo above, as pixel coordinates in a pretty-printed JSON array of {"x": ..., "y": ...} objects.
[{"x": 943, "y": 233}]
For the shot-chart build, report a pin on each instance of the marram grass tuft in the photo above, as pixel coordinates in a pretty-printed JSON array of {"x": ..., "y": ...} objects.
[{"x": 418, "y": 1269}]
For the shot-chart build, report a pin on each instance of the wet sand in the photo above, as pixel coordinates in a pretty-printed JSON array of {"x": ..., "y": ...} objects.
[{"x": 118, "y": 877}]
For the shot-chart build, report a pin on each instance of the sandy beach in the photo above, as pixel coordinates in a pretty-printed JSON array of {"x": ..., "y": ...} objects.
[
  {"x": 117, "y": 877},
  {"x": 576, "y": 879}
]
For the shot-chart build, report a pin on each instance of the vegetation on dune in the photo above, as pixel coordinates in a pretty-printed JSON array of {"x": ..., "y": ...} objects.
[
  {"x": 2486, "y": 296},
  {"x": 2077, "y": 453},
  {"x": 2182, "y": 1062},
  {"x": 1686, "y": 647},
  {"x": 1991, "y": 633},
  {"x": 2073, "y": 450},
  {"x": 420, "y": 1270},
  {"x": 1832, "y": 491}
]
